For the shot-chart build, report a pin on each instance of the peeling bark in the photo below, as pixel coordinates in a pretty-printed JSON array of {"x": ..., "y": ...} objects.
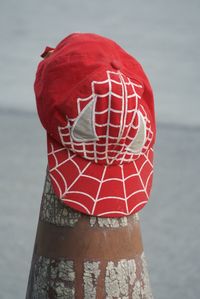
[
  {"x": 146, "y": 287},
  {"x": 112, "y": 222},
  {"x": 90, "y": 276},
  {"x": 52, "y": 279},
  {"x": 119, "y": 278},
  {"x": 128, "y": 279},
  {"x": 54, "y": 211}
]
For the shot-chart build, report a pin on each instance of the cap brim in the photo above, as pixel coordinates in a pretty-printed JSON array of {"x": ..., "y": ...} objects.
[{"x": 96, "y": 189}]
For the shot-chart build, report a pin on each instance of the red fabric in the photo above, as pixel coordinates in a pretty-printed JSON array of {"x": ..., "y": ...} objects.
[
  {"x": 89, "y": 80},
  {"x": 46, "y": 51}
]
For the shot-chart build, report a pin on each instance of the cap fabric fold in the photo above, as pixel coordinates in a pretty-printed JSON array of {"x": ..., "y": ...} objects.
[{"x": 97, "y": 106}]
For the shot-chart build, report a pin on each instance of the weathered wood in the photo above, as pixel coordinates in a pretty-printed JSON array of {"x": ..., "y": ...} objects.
[{"x": 81, "y": 256}]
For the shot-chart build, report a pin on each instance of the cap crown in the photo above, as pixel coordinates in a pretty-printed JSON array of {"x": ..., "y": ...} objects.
[{"x": 95, "y": 99}]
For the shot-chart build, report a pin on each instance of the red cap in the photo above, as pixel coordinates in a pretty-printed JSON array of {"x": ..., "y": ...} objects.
[{"x": 96, "y": 104}]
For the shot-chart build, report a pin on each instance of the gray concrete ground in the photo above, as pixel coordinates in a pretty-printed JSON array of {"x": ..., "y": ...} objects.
[{"x": 169, "y": 222}]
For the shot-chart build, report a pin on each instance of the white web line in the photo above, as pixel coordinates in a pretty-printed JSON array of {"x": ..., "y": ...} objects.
[
  {"x": 121, "y": 198},
  {"x": 101, "y": 181},
  {"x": 123, "y": 99},
  {"x": 123, "y": 213},
  {"x": 146, "y": 156},
  {"x": 70, "y": 158},
  {"x": 63, "y": 178},
  {"x": 122, "y": 179},
  {"x": 56, "y": 151},
  {"x": 99, "y": 189},
  {"x": 57, "y": 184},
  {"x": 112, "y": 212},
  {"x": 77, "y": 203},
  {"x": 139, "y": 204},
  {"x": 81, "y": 172},
  {"x": 91, "y": 153},
  {"x": 140, "y": 178},
  {"x": 108, "y": 120},
  {"x": 63, "y": 162},
  {"x": 52, "y": 151},
  {"x": 120, "y": 155},
  {"x": 120, "y": 212},
  {"x": 111, "y": 197},
  {"x": 148, "y": 178},
  {"x": 79, "y": 193},
  {"x": 124, "y": 188}
]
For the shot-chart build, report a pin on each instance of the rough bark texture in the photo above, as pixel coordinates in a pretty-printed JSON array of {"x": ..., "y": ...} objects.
[
  {"x": 90, "y": 276},
  {"x": 128, "y": 279},
  {"x": 54, "y": 211},
  {"x": 52, "y": 279},
  {"x": 92, "y": 272},
  {"x": 111, "y": 222}
]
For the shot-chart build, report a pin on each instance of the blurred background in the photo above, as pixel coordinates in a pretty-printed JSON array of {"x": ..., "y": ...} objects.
[{"x": 164, "y": 37}]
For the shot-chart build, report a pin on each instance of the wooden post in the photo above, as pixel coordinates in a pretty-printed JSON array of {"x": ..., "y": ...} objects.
[{"x": 81, "y": 256}]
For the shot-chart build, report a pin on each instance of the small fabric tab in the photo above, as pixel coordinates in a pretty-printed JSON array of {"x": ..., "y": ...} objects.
[{"x": 46, "y": 52}]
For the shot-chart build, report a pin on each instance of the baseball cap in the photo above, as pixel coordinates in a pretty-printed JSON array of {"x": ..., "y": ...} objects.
[{"x": 97, "y": 107}]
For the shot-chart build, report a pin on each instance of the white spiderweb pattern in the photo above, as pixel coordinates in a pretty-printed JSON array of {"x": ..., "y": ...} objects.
[
  {"x": 100, "y": 189},
  {"x": 114, "y": 137}
]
